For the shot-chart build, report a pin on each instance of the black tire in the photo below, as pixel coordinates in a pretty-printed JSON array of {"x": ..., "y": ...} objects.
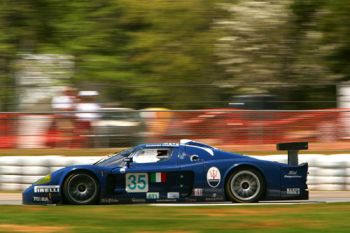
[
  {"x": 245, "y": 185},
  {"x": 81, "y": 188}
]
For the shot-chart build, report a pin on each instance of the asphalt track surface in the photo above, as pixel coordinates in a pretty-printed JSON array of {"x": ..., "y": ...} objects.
[{"x": 315, "y": 197}]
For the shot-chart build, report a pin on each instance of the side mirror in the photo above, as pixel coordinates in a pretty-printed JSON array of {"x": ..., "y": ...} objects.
[{"x": 128, "y": 161}]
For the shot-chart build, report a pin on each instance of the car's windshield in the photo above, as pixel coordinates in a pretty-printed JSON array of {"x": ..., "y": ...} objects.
[{"x": 115, "y": 160}]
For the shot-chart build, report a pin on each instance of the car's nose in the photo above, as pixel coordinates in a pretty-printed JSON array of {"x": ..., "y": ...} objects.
[{"x": 27, "y": 195}]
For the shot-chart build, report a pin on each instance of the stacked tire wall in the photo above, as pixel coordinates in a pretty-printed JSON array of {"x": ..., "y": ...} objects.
[
  {"x": 326, "y": 172},
  {"x": 18, "y": 172}
]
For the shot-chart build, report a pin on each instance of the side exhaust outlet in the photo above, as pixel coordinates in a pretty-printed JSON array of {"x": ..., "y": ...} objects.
[{"x": 293, "y": 150}]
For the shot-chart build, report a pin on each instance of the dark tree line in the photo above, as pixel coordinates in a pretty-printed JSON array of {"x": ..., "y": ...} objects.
[{"x": 184, "y": 54}]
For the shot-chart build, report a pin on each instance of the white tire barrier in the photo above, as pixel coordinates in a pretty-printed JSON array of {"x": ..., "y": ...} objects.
[
  {"x": 52, "y": 169},
  {"x": 29, "y": 179},
  {"x": 326, "y": 172},
  {"x": 35, "y": 170},
  {"x": 24, "y": 186},
  {"x": 347, "y": 180},
  {"x": 331, "y": 172},
  {"x": 11, "y": 186},
  {"x": 58, "y": 161},
  {"x": 19, "y": 172},
  {"x": 331, "y": 180},
  {"x": 276, "y": 158},
  {"x": 329, "y": 187},
  {"x": 84, "y": 160},
  {"x": 326, "y": 162},
  {"x": 312, "y": 180},
  {"x": 311, "y": 159},
  {"x": 38, "y": 161},
  {"x": 11, "y": 179},
  {"x": 10, "y": 170},
  {"x": 313, "y": 171},
  {"x": 10, "y": 161}
]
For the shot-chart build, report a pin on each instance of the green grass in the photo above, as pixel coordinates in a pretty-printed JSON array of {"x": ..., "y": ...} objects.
[{"x": 142, "y": 218}]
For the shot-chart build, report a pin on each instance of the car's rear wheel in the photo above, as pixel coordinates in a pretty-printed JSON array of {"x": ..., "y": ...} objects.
[
  {"x": 245, "y": 185},
  {"x": 81, "y": 188}
]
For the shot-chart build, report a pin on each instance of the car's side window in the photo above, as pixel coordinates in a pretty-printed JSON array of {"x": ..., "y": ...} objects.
[{"x": 151, "y": 155}]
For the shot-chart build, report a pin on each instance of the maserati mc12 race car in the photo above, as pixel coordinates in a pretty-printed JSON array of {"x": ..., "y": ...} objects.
[{"x": 188, "y": 171}]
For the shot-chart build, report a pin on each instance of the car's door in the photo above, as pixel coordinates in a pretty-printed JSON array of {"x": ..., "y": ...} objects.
[
  {"x": 191, "y": 162},
  {"x": 153, "y": 174}
]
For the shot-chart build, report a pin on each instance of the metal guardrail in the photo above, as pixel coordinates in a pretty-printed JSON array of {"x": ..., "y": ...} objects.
[{"x": 326, "y": 172}]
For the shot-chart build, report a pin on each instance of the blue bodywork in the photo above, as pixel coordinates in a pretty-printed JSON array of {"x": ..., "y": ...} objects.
[{"x": 182, "y": 177}]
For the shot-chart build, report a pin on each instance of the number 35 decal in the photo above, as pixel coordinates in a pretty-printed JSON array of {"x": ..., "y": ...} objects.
[{"x": 136, "y": 182}]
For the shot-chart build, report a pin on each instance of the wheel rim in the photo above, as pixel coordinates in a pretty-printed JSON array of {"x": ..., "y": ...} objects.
[
  {"x": 82, "y": 188},
  {"x": 245, "y": 185}
]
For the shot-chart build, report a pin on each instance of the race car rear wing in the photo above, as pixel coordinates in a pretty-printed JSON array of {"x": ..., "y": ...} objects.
[{"x": 293, "y": 150}]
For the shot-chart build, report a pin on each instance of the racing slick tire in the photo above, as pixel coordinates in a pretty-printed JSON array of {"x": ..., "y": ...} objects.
[
  {"x": 81, "y": 188},
  {"x": 245, "y": 185}
]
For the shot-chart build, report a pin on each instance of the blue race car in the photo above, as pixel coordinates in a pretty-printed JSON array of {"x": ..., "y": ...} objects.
[{"x": 188, "y": 171}]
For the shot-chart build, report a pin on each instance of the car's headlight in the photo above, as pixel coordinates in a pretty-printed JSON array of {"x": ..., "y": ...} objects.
[{"x": 44, "y": 180}]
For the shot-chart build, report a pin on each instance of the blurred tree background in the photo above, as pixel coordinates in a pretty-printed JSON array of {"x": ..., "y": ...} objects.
[{"x": 185, "y": 53}]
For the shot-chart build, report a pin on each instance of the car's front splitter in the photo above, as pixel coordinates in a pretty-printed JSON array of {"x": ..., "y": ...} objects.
[{"x": 42, "y": 195}]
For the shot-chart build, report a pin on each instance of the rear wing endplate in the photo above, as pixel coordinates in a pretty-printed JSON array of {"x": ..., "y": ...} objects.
[{"x": 293, "y": 150}]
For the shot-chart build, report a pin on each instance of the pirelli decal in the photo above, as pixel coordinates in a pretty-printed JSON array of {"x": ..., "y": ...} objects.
[{"x": 47, "y": 189}]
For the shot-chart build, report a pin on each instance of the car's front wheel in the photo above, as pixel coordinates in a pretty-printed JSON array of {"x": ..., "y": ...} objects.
[
  {"x": 81, "y": 188},
  {"x": 245, "y": 185}
]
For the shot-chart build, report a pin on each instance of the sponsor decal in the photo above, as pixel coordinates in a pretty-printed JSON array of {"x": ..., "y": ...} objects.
[
  {"x": 136, "y": 182},
  {"x": 170, "y": 144},
  {"x": 292, "y": 174},
  {"x": 173, "y": 195},
  {"x": 212, "y": 190},
  {"x": 198, "y": 192},
  {"x": 293, "y": 191},
  {"x": 138, "y": 200},
  {"x": 219, "y": 198},
  {"x": 109, "y": 200},
  {"x": 41, "y": 199},
  {"x": 166, "y": 200},
  {"x": 153, "y": 196},
  {"x": 213, "y": 177},
  {"x": 158, "y": 177},
  {"x": 190, "y": 200},
  {"x": 47, "y": 189}
]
